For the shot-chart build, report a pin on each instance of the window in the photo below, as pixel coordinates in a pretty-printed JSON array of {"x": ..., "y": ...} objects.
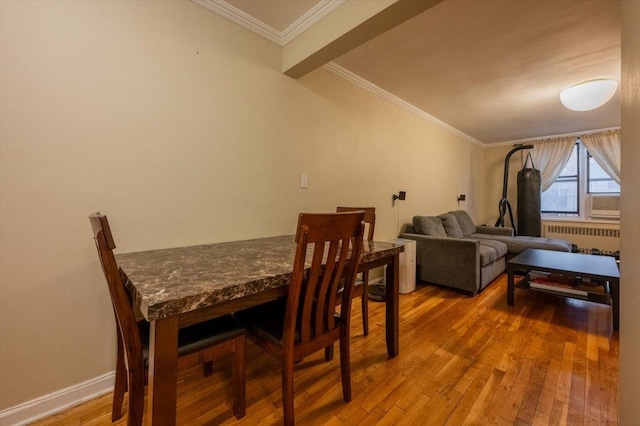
[
  {"x": 599, "y": 181},
  {"x": 562, "y": 196},
  {"x": 567, "y": 194}
]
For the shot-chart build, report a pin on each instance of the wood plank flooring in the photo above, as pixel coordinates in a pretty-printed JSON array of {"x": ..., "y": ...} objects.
[{"x": 463, "y": 361}]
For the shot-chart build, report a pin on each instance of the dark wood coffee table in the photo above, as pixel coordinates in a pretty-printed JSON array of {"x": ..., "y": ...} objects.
[{"x": 598, "y": 268}]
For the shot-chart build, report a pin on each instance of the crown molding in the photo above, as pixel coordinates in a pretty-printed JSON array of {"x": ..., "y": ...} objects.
[
  {"x": 241, "y": 18},
  {"x": 309, "y": 19},
  {"x": 232, "y": 13},
  {"x": 336, "y": 69}
]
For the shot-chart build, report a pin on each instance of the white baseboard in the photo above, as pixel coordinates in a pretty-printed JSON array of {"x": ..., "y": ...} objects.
[{"x": 57, "y": 401}]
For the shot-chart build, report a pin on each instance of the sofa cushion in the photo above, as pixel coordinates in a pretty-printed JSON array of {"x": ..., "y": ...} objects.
[
  {"x": 500, "y": 247},
  {"x": 451, "y": 225},
  {"x": 487, "y": 255},
  {"x": 465, "y": 222},
  {"x": 490, "y": 251},
  {"x": 429, "y": 225},
  {"x": 520, "y": 243}
]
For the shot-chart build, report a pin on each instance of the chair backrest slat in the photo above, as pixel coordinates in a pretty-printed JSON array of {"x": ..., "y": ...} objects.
[
  {"x": 336, "y": 281},
  {"x": 311, "y": 290},
  {"x": 324, "y": 294},
  {"x": 337, "y": 243}
]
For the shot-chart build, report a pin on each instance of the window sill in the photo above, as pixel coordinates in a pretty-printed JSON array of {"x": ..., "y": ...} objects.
[{"x": 580, "y": 220}]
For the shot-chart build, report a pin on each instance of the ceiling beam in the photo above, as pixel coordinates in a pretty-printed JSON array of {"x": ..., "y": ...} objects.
[{"x": 349, "y": 26}]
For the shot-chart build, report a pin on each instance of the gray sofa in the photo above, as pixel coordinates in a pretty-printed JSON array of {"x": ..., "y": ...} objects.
[{"x": 453, "y": 252}]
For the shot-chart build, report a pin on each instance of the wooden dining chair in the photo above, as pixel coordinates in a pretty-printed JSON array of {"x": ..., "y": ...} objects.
[
  {"x": 361, "y": 287},
  {"x": 306, "y": 320},
  {"x": 197, "y": 344}
]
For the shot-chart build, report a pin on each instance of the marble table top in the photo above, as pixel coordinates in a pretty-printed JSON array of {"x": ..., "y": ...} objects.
[{"x": 177, "y": 280}]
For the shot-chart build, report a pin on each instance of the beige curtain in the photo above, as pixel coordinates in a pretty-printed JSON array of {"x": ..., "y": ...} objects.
[
  {"x": 605, "y": 149},
  {"x": 550, "y": 156}
]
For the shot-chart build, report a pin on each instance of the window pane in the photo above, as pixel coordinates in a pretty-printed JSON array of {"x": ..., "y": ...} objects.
[
  {"x": 571, "y": 169},
  {"x": 599, "y": 180},
  {"x": 561, "y": 197}
]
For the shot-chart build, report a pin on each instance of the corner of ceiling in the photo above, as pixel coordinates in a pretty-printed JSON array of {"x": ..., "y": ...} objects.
[
  {"x": 315, "y": 14},
  {"x": 306, "y": 21}
]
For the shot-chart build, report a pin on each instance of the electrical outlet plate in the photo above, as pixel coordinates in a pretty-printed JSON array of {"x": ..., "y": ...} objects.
[{"x": 304, "y": 180}]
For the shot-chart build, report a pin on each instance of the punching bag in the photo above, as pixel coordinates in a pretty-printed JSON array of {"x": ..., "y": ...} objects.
[{"x": 529, "y": 217}]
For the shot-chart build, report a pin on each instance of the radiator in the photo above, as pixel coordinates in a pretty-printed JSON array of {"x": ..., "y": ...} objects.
[{"x": 599, "y": 236}]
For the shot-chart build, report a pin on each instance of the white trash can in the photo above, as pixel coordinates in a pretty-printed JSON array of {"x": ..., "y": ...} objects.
[
  {"x": 407, "y": 270},
  {"x": 406, "y": 273}
]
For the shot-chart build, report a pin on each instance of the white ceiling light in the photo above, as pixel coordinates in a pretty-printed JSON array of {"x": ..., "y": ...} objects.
[{"x": 588, "y": 95}]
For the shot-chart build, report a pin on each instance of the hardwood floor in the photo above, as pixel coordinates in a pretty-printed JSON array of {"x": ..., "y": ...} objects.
[{"x": 462, "y": 360}]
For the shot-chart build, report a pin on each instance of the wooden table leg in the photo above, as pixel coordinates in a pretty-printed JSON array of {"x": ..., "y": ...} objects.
[
  {"x": 510, "y": 288},
  {"x": 392, "y": 293},
  {"x": 614, "y": 287},
  {"x": 163, "y": 371}
]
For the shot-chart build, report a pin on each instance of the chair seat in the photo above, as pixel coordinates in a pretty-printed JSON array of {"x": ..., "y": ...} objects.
[
  {"x": 199, "y": 336},
  {"x": 267, "y": 320},
  {"x": 358, "y": 291},
  {"x": 357, "y": 285}
]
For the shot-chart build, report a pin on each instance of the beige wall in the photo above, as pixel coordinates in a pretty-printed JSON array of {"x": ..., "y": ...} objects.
[
  {"x": 179, "y": 125},
  {"x": 630, "y": 217}
]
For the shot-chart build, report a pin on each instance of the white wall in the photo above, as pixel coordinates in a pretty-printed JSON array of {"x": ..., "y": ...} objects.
[{"x": 179, "y": 125}]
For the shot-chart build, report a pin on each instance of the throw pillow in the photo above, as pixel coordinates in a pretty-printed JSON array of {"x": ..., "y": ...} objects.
[
  {"x": 429, "y": 225},
  {"x": 451, "y": 225},
  {"x": 465, "y": 222}
]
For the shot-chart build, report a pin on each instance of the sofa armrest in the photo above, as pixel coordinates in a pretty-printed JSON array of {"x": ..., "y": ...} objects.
[
  {"x": 494, "y": 230},
  {"x": 452, "y": 262}
]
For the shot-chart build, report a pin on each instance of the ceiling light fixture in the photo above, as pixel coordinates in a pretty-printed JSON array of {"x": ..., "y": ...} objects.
[{"x": 588, "y": 95}]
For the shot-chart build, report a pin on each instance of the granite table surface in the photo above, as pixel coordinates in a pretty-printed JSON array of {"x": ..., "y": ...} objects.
[{"x": 177, "y": 280}]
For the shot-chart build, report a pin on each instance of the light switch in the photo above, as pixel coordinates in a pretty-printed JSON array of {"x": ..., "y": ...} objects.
[{"x": 304, "y": 180}]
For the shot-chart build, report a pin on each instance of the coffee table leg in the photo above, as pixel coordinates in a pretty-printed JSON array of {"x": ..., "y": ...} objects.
[
  {"x": 510, "y": 287},
  {"x": 614, "y": 286}
]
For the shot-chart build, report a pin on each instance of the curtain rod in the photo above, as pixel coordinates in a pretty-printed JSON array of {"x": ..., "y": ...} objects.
[{"x": 575, "y": 134}]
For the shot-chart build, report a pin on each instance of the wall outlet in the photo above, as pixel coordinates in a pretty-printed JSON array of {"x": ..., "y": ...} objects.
[{"x": 304, "y": 180}]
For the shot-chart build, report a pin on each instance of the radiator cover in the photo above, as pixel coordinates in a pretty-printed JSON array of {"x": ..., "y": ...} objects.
[{"x": 605, "y": 238}]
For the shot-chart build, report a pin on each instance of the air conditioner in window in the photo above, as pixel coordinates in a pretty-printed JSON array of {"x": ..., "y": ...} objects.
[{"x": 604, "y": 205}]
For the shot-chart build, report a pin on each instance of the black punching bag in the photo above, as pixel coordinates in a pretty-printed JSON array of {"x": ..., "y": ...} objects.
[{"x": 529, "y": 183}]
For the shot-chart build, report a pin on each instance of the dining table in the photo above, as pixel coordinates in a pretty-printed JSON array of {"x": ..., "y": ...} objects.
[{"x": 178, "y": 287}]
